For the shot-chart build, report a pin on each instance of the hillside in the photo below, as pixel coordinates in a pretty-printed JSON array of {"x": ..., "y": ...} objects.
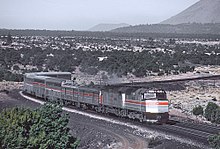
[
  {"x": 192, "y": 28},
  {"x": 204, "y": 11},
  {"x": 107, "y": 27},
  {"x": 201, "y": 18}
]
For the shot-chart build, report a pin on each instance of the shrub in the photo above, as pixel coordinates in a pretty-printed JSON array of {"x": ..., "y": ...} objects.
[
  {"x": 210, "y": 108},
  {"x": 215, "y": 116},
  {"x": 45, "y": 127},
  {"x": 214, "y": 141},
  {"x": 198, "y": 110},
  {"x": 153, "y": 142}
]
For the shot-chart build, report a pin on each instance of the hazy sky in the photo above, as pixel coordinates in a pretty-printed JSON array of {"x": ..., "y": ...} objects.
[{"x": 83, "y": 14}]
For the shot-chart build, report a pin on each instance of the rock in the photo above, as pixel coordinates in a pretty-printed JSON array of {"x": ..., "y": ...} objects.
[
  {"x": 5, "y": 91},
  {"x": 177, "y": 106},
  {"x": 214, "y": 99}
]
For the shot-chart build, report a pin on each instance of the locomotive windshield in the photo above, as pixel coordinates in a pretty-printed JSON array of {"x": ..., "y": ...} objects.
[
  {"x": 154, "y": 95},
  {"x": 161, "y": 96},
  {"x": 149, "y": 96}
]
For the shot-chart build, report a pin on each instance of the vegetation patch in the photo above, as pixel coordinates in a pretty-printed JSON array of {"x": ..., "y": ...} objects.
[
  {"x": 153, "y": 142},
  {"x": 45, "y": 127},
  {"x": 212, "y": 113},
  {"x": 198, "y": 110}
]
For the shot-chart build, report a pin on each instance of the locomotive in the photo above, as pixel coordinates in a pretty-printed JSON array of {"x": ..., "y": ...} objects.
[{"x": 134, "y": 103}]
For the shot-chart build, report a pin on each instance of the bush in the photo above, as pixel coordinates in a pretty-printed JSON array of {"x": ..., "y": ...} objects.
[
  {"x": 215, "y": 116},
  {"x": 198, "y": 110},
  {"x": 210, "y": 108},
  {"x": 153, "y": 142},
  {"x": 89, "y": 70},
  {"x": 214, "y": 141},
  {"x": 9, "y": 76},
  {"x": 45, "y": 127}
]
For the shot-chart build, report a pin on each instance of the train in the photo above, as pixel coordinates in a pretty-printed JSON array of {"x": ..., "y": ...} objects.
[{"x": 145, "y": 105}]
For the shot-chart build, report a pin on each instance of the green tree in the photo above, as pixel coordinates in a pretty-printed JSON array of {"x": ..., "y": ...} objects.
[
  {"x": 215, "y": 116},
  {"x": 15, "y": 126},
  {"x": 214, "y": 141},
  {"x": 45, "y": 127},
  {"x": 198, "y": 110},
  {"x": 2, "y": 71},
  {"x": 16, "y": 67},
  {"x": 210, "y": 108},
  {"x": 9, "y": 39}
]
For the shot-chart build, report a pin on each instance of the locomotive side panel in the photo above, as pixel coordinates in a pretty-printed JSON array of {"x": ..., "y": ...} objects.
[
  {"x": 133, "y": 102},
  {"x": 53, "y": 89},
  {"x": 39, "y": 87},
  {"x": 88, "y": 96},
  {"x": 80, "y": 94},
  {"x": 67, "y": 93},
  {"x": 112, "y": 99}
]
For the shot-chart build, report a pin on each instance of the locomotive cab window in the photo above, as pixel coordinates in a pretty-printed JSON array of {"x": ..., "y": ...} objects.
[
  {"x": 161, "y": 96},
  {"x": 149, "y": 96}
]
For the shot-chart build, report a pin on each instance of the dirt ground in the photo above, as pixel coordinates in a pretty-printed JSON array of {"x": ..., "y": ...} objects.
[
  {"x": 103, "y": 77},
  {"x": 182, "y": 102},
  {"x": 8, "y": 85}
]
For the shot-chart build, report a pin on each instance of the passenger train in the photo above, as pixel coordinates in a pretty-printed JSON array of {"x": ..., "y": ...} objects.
[{"x": 134, "y": 103}]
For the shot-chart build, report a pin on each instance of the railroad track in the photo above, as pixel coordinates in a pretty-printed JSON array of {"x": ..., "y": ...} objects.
[
  {"x": 184, "y": 130},
  {"x": 192, "y": 131},
  {"x": 200, "y": 127},
  {"x": 188, "y": 133},
  {"x": 195, "y": 132},
  {"x": 141, "y": 84},
  {"x": 127, "y": 139}
]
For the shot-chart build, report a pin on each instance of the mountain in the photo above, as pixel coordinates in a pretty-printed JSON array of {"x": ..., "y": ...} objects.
[
  {"x": 188, "y": 28},
  {"x": 107, "y": 27},
  {"x": 204, "y": 11},
  {"x": 201, "y": 18}
]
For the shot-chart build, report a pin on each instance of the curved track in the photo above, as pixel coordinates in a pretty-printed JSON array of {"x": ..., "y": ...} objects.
[
  {"x": 191, "y": 131},
  {"x": 207, "y": 128},
  {"x": 168, "y": 85},
  {"x": 138, "y": 84},
  {"x": 124, "y": 139}
]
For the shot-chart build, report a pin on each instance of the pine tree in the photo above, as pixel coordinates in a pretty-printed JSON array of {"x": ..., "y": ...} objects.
[{"x": 9, "y": 39}]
